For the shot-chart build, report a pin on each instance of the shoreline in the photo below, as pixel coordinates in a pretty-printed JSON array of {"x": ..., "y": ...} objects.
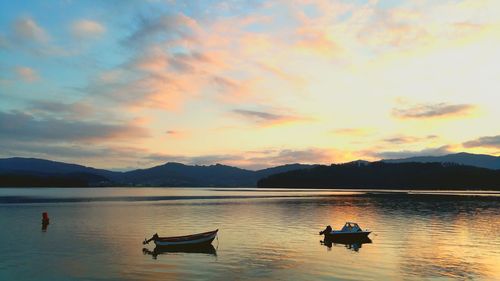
[{"x": 126, "y": 194}]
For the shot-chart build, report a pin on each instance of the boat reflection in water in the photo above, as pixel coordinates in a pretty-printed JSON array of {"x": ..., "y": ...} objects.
[
  {"x": 351, "y": 244},
  {"x": 201, "y": 249}
]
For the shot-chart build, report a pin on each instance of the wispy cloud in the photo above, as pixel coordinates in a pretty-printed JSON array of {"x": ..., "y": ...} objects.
[
  {"x": 317, "y": 41},
  {"x": 87, "y": 29},
  {"x": 76, "y": 110},
  {"x": 163, "y": 27},
  {"x": 432, "y": 110},
  {"x": 488, "y": 141},
  {"x": 177, "y": 134},
  {"x": 26, "y": 127},
  {"x": 27, "y": 74},
  {"x": 350, "y": 131},
  {"x": 67, "y": 151},
  {"x": 288, "y": 77},
  {"x": 27, "y": 35},
  {"x": 408, "y": 139},
  {"x": 260, "y": 115},
  {"x": 165, "y": 70},
  {"x": 412, "y": 153},
  {"x": 27, "y": 29},
  {"x": 267, "y": 118}
]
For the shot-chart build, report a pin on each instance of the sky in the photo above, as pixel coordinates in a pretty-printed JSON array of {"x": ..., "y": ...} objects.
[{"x": 127, "y": 84}]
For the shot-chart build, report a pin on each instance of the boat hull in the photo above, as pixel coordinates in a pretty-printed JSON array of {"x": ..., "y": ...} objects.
[
  {"x": 347, "y": 235},
  {"x": 200, "y": 239}
]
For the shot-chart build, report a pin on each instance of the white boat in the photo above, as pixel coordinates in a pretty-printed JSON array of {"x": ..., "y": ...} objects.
[{"x": 351, "y": 230}]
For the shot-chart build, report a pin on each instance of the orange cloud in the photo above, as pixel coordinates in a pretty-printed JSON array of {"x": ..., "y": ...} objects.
[
  {"x": 318, "y": 41},
  {"x": 294, "y": 79}
]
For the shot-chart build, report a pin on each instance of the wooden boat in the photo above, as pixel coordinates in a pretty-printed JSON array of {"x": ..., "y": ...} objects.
[
  {"x": 350, "y": 231},
  {"x": 198, "y": 239}
]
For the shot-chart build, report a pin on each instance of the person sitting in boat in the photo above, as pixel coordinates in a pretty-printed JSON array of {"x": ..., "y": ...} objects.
[
  {"x": 327, "y": 230},
  {"x": 155, "y": 236}
]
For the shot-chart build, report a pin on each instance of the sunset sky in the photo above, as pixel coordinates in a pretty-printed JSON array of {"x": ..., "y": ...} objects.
[{"x": 127, "y": 84}]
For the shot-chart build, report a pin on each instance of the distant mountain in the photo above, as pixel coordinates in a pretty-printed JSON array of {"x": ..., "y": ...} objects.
[
  {"x": 382, "y": 175},
  {"x": 35, "y": 165},
  {"x": 176, "y": 174},
  {"x": 463, "y": 158},
  {"x": 39, "y": 172},
  {"x": 19, "y": 171},
  {"x": 281, "y": 169}
]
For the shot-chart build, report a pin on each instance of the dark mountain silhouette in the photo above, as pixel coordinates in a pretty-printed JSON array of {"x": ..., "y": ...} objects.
[
  {"x": 39, "y": 172},
  {"x": 477, "y": 160},
  {"x": 281, "y": 169},
  {"x": 176, "y": 174},
  {"x": 387, "y": 176},
  {"x": 18, "y": 165}
]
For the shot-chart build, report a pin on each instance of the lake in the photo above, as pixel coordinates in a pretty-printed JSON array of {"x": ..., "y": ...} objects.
[{"x": 265, "y": 234}]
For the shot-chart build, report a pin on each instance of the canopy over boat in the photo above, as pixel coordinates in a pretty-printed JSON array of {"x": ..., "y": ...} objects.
[
  {"x": 351, "y": 227},
  {"x": 204, "y": 238}
]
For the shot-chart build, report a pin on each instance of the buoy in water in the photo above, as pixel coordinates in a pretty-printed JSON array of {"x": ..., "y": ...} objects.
[{"x": 45, "y": 218}]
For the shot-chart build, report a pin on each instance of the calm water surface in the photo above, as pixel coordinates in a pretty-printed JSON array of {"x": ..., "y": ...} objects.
[{"x": 96, "y": 234}]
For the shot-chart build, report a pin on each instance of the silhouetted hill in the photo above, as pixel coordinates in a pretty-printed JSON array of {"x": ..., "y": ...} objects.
[
  {"x": 388, "y": 175},
  {"x": 18, "y": 165},
  {"x": 477, "y": 160},
  {"x": 281, "y": 169},
  {"x": 176, "y": 174},
  {"x": 40, "y": 172}
]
